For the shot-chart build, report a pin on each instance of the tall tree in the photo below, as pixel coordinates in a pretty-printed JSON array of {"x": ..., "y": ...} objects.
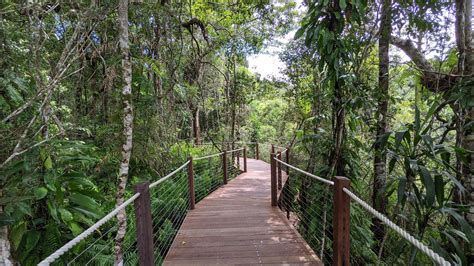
[
  {"x": 379, "y": 200},
  {"x": 127, "y": 126},
  {"x": 456, "y": 87}
]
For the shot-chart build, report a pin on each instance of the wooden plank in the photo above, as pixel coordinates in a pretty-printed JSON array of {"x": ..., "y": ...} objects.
[{"x": 236, "y": 225}]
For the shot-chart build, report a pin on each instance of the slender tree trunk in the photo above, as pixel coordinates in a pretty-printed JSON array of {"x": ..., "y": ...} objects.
[
  {"x": 196, "y": 127},
  {"x": 127, "y": 127},
  {"x": 379, "y": 200},
  {"x": 467, "y": 136},
  {"x": 336, "y": 164},
  {"x": 5, "y": 254},
  {"x": 465, "y": 114}
]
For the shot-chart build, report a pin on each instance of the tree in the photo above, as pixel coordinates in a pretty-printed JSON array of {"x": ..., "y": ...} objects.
[
  {"x": 127, "y": 127},
  {"x": 456, "y": 88},
  {"x": 379, "y": 198}
]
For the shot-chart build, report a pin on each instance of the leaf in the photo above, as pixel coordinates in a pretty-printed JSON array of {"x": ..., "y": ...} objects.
[
  {"x": 48, "y": 163},
  {"x": 84, "y": 201},
  {"x": 32, "y": 238},
  {"x": 429, "y": 143},
  {"x": 300, "y": 32},
  {"x": 14, "y": 94},
  {"x": 429, "y": 185},
  {"x": 88, "y": 212},
  {"x": 23, "y": 208},
  {"x": 456, "y": 182},
  {"x": 17, "y": 233},
  {"x": 53, "y": 211},
  {"x": 75, "y": 228},
  {"x": 382, "y": 139},
  {"x": 457, "y": 246},
  {"x": 342, "y": 4},
  {"x": 50, "y": 180},
  {"x": 439, "y": 187},
  {"x": 465, "y": 227},
  {"x": 65, "y": 215},
  {"x": 40, "y": 193},
  {"x": 398, "y": 138},
  {"x": 401, "y": 196},
  {"x": 417, "y": 121}
]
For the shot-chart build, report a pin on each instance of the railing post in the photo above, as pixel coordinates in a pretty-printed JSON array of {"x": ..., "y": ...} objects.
[
  {"x": 273, "y": 179},
  {"x": 192, "y": 199},
  {"x": 279, "y": 171},
  {"x": 287, "y": 160},
  {"x": 273, "y": 149},
  {"x": 257, "y": 155},
  {"x": 224, "y": 165},
  {"x": 238, "y": 160},
  {"x": 245, "y": 159},
  {"x": 144, "y": 227},
  {"x": 341, "y": 222}
]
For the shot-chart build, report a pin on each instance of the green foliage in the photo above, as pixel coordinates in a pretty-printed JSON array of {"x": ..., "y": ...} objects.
[
  {"x": 427, "y": 181},
  {"x": 55, "y": 205}
]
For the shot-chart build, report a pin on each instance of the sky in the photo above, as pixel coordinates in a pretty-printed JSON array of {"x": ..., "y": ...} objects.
[{"x": 267, "y": 63}]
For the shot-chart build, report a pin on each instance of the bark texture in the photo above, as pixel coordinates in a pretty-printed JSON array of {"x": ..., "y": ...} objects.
[
  {"x": 127, "y": 127},
  {"x": 5, "y": 254},
  {"x": 466, "y": 66},
  {"x": 379, "y": 199}
]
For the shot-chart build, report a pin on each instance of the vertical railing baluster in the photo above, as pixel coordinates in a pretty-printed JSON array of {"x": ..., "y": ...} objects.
[
  {"x": 257, "y": 155},
  {"x": 273, "y": 180},
  {"x": 287, "y": 159},
  {"x": 192, "y": 196},
  {"x": 224, "y": 165},
  {"x": 245, "y": 159},
  {"x": 279, "y": 171},
  {"x": 144, "y": 226},
  {"x": 341, "y": 222}
]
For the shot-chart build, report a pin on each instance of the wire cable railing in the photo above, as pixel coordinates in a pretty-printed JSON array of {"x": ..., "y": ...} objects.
[
  {"x": 309, "y": 202},
  {"x": 306, "y": 200},
  {"x": 170, "y": 198},
  {"x": 398, "y": 230}
]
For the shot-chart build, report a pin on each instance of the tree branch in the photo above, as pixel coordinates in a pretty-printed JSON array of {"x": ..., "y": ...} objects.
[
  {"x": 431, "y": 79},
  {"x": 415, "y": 55}
]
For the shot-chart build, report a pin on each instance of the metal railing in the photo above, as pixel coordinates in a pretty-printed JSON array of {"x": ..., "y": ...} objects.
[
  {"x": 321, "y": 211},
  {"x": 156, "y": 214}
]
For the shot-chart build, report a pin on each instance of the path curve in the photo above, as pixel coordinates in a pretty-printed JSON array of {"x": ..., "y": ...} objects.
[{"x": 236, "y": 225}]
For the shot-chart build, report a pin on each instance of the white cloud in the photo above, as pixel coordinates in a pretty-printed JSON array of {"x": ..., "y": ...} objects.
[{"x": 267, "y": 63}]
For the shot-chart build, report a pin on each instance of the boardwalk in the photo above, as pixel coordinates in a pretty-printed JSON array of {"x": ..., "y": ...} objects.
[{"x": 237, "y": 225}]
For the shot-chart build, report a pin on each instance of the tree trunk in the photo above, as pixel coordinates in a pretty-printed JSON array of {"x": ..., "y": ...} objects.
[
  {"x": 379, "y": 200},
  {"x": 196, "y": 127},
  {"x": 336, "y": 164},
  {"x": 466, "y": 53},
  {"x": 5, "y": 254},
  {"x": 127, "y": 127}
]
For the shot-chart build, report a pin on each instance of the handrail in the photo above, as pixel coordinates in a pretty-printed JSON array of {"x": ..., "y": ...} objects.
[
  {"x": 329, "y": 182},
  {"x": 280, "y": 147},
  {"x": 51, "y": 258},
  {"x": 208, "y": 156},
  {"x": 227, "y": 142},
  {"x": 236, "y": 150},
  {"x": 425, "y": 249},
  {"x": 154, "y": 184}
]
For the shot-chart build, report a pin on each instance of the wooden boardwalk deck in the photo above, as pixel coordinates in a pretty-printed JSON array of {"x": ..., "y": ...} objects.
[{"x": 236, "y": 225}]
